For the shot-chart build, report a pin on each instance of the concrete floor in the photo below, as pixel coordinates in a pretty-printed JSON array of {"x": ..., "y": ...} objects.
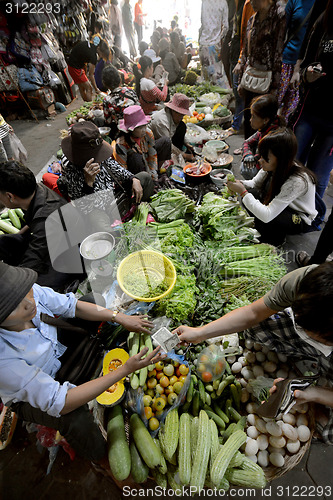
[{"x": 23, "y": 468}]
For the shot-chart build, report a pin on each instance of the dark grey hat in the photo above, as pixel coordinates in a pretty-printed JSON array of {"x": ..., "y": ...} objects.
[{"x": 15, "y": 284}]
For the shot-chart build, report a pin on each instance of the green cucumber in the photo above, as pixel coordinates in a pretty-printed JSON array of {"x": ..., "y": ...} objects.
[
  {"x": 118, "y": 449},
  {"x": 139, "y": 469},
  {"x": 14, "y": 218},
  {"x": 144, "y": 442}
]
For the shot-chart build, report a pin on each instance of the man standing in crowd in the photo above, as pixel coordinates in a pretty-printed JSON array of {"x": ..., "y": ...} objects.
[{"x": 127, "y": 18}]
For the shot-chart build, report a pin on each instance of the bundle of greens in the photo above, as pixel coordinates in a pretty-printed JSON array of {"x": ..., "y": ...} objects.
[
  {"x": 210, "y": 302},
  {"x": 252, "y": 287},
  {"x": 180, "y": 304},
  {"x": 197, "y": 91},
  {"x": 171, "y": 204},
  {"x": 141, "y": 214},
  {"x": 270, "y": 267}
]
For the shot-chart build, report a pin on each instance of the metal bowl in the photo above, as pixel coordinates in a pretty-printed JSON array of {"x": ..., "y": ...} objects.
[
  {"x": 97, "y": 246},
  {"x": 219, "y": 182},
  {"x": 104, "y": 130}
]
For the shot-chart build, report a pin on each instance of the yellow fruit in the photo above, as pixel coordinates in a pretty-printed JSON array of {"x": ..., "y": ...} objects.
[
  {"x": 151, "y": 393},
  {"x": 159, "y": 389},
  {"x": 182, "y": 379},
  {"x": 164, "y": 397},
  {"x": 168, "y": 390},
  {"x": 147, "y": 400},
  {"x": 172, "y": 398},
  {"x": 159, "y": 413},
  {"x": 159, "y": 365},
  {"x": 173, "y": 380},
  {"x": 153, "y": 424},
  {"x": 177, "y": 387},
  {"x": 152, "y": 373},
  {"x": 159, "y": 404},
  {"x": 151, "y": 383},
  {"x": 168, "y": 370},
  {"x": 184, "y": 369}
]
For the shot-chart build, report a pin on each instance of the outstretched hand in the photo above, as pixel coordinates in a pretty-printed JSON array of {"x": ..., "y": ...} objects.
[
  {"x": 138, "y": 361},
  {"x": 137, "y": 323}
]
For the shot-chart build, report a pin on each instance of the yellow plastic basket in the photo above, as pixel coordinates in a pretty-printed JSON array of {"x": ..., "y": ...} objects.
[{"x": 150, "y": 268}]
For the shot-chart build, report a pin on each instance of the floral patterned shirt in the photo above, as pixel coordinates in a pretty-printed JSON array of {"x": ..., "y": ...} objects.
[
  {"x": 115, "y": 103},
  {"x": 266, "y": 40}
]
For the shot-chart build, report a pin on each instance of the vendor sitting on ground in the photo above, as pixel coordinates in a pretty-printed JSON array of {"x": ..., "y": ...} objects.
[
  {"x": 148, "y": 92},
  {"x": 168, "y": 122},
  {"x": 264, "y": 119},
  {"x": 170, "y": 62},
  {"x": 28, "y": 248},
  {"x": 303, "y": 329},
  {"x": 119, "y": 97},
  {"x": 136, "y": 148},
  {"x": 84, "y": 53},
  {"x": 33, "y": 357},
  {"x": 88, "y": 167},
  {"x": 285, "y": 199}
]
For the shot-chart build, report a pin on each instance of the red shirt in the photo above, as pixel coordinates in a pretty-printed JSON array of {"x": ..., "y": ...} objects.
[{"x": 138, "y": 14}]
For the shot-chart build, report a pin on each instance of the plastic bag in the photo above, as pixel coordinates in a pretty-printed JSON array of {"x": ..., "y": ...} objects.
[
  {"x": 19, "y": 151},
  {"x": 195, "y": 134},
  {"x": 134, "y": 398}
]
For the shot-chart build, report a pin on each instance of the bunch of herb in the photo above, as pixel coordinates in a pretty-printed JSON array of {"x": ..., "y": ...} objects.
[
  {"x": 171, "y": 204},
  {"x": 180, "y": 304}
]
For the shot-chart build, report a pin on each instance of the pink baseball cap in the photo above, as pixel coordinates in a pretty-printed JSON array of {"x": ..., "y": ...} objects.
[{"x": 133, "y": 117}]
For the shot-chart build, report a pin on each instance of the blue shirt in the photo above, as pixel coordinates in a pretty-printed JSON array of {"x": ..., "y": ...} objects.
[
  {"x": 296, "y": 11},
  {"x": 29, "y": 359}
]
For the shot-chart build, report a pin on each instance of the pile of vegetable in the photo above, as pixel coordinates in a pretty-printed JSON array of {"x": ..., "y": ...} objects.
[
  {"x": 11, "y": 221},
  {"x": 85, "y": 112},
  {"x": 196, "y": 91}
]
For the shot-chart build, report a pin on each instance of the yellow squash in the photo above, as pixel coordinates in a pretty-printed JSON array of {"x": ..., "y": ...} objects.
[{"x": 112, "y": 360}]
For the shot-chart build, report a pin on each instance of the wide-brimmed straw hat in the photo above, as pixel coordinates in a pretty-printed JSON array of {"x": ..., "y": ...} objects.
[
  {"x": 152, "y": 54},
  {"x": 180, "y": 103},
  {"x": 15, "y": 284},
  {"x": 85, "y": 142},
  {"x": 133, "y": 117}
]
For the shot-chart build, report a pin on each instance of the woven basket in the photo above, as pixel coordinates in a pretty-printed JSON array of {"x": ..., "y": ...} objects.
[
  {"x": 291, "y": 461},
  {"x": 216, "y": 121}
]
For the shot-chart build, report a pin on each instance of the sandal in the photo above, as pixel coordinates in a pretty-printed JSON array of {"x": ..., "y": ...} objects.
[
  {"x": 302, "y": 258},
  {"x": 231, "y": 131},
  {"x": 238, "y": 151}
]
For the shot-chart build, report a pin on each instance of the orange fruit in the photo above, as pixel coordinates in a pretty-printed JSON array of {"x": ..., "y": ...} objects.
[
  {"x": 152, "y": 373},
  {"x": 151, "y": 383},
  {"x": 164, "y": 381},
  {"x": 159, "y": 375},
  {"x": 159, "y": 404},
  {"x": 168, "y": 390},
  {"x": 206, "y": 376},
  {"x": 148, "y": 412}
]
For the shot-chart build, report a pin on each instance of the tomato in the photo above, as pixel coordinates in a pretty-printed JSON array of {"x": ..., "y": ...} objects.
[
  {"x": 164, "y": 381},
  {"x": 151, "y": 393},
  {"x": 201, "y": 368},
  {"x": 173, "y": 380},
  {"x": 204, "y": 358},
  {"x": 175, "y": 363},
  {"x": 147, "y": 400},
  {"x": 206, "y": 376},
  {"x": 148, "y": 412},
  {"x": 159, "y": 404},
  {"x": 182, "y": 379},
  {"x": 184, "y": 369},
  {"x": 168, "y": 390},
  {"x": 159, "y": 365},
  {"x": 177, "y": 387},
  {"x": 159, "y": 389},
  {"x": 195, "y": 113},
  {"x": 151, "y": 383},
  {"x": 152, "y": 373},
  {"x": 159, "y": 375},
  {"x": 168, "y": 370},
  {"x": 172, "y": 398},
  {"x": 163, "y": 396},
  {"x": 159, "y": 413},
  {"x": 153, "y": 424},
  {"x": 178, "y": 374}
]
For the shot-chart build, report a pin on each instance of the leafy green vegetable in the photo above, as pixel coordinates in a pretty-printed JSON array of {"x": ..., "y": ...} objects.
[
  {"x": 180, "y": 304},
  {"x": 141, "y": 214},
  {"x": 271, "y": 267},
  {"x": 235, "y": 303},
  {"x": 171, "y": 204}
]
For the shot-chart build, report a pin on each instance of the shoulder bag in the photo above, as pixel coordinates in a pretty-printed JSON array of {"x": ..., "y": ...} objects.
[{"x": 253, "y": 79}]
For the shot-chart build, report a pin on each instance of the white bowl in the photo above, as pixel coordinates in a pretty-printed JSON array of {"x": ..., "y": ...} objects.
[
  {"x": 97, "y": 246},
  {"x": 219, "y": 182}
]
